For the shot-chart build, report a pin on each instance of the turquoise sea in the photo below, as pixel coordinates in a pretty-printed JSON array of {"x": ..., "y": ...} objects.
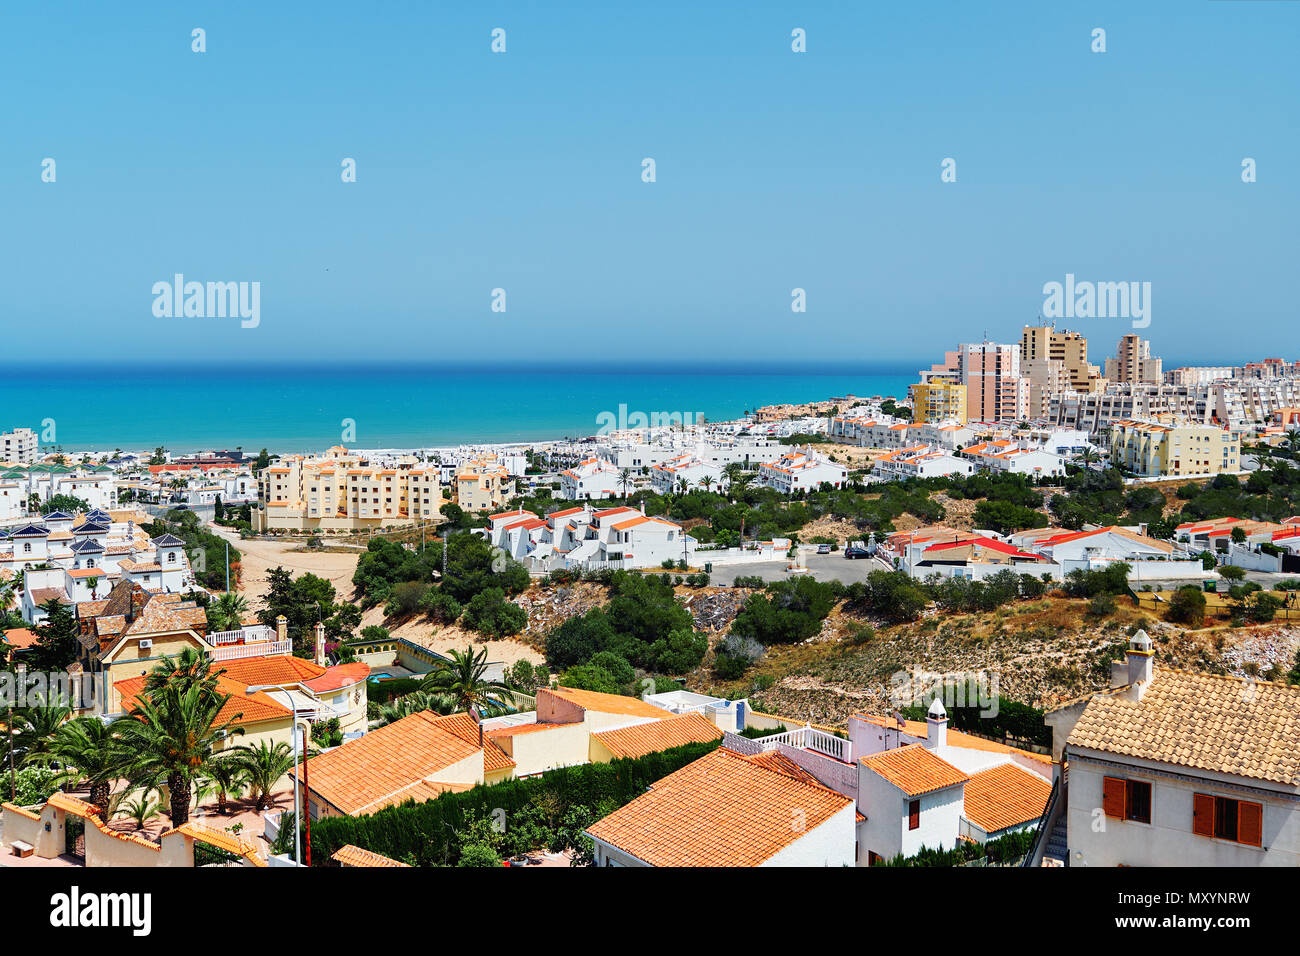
[{"x": 300, "y": 408}]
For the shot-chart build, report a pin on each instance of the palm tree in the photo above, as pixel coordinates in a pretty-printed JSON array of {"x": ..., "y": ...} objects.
[
  {"x": 84, "y": 751},
  {"x": 414, "y": 703},
  {"x": 34, "y": 729},
  {"x": 263, "y": 766},
  {"x": 172, "y": 733},
  {"x": 229, "y": 777},
  {"x": 228, "y": 611},
  {"x": 1088, "y": 457},
  {"x": 706, "y": 482},
  {"x": 189, "y": 668},
  {"x": 141, "y": 809},
  {"x": 625, "y": 479},
  {"x": 461, "y": 678}
]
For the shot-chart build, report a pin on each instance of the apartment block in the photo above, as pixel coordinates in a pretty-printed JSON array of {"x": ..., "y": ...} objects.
[
  {"x": 342, "y": 491},
  {"x": 1133, "y": 363},
  {"x": 995, "y": 389},
  {"x": 1152, "y": 450},
  {"x": 19, "y": 445},
  {"x": 1044, "y": 343},
  {"x": 938, "y": 401}
]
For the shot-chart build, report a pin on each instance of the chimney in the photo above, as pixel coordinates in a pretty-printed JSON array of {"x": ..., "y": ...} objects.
[
  {"x": 1140, "y": 657},
  {"x": 137, "y": 601},
  {"x": 320, "y": 643},
  {"x": 281, "y": 628},
  {"x": 936, "y": 725}
]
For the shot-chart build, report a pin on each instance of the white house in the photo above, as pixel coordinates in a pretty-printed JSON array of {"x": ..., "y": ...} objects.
[
  {"x": 801, "y": 471},
  {"x": 669, "y": 475},
  {"x": 731, "y": 809},
  {"x": 920, "y": 461},
  {"x": 1005, "y": 455},
  {"x": 590, "y": 479},
  {"x": 1174, "y": 768}
]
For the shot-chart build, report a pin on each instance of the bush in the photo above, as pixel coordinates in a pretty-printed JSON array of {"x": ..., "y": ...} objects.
[
  {"x": 488, "y": 612},
  {"x": 735, "y": 654},
  {"x": 425, "y": 834},
  {"x": 1187, "y": 606},
  {"x": 591, "y": 677},
  {"x": 749, "y": 581},
  {"x": 440, "y": 606},
  {"x": 1103, "y": 605},
  {"x": 404, "y": 599},
  {"x": 791, "y": 611},
  {"x": 679, "y": 652}
]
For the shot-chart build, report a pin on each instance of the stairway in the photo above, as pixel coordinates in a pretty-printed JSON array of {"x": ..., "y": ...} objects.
[{"x": 1057, "y": 848}]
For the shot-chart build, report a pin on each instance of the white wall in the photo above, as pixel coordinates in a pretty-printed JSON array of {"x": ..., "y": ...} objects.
[{"x": 1168, "y": 839}]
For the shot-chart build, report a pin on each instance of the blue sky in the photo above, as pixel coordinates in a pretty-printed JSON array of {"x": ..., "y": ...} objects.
[{"x": 523, "y": 171}]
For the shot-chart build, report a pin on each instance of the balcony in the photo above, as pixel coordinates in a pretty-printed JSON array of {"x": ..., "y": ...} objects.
[{"x": 257, "y": 633}]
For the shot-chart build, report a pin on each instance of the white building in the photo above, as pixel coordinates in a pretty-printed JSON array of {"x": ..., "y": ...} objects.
[
  {"x": 669, "y": 475},
  {"x": 1173, "y": 768},
  {"x": 1005, "y": 455},
  {"x": 19, "y": 445},
  {"x": 920, "y": 461},
  {"x": 731, "y": 809},
  {"x": 797, "y": 471},
  {"x": 591, "y": 479}
]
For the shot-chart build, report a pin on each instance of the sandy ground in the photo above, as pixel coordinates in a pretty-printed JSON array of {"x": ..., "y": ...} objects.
[
  {"x": 259, "y": 557},
  {"x": 444, "y": 639}
]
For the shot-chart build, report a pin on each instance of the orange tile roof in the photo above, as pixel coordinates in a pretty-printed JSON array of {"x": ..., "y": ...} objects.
[
  {"x": 19, "y": 637},
  {"x": 217, "y": 838},
  {"x": 1005, "y": 796},
  {"x": 352, "y": 855},
  {"x": 73, "y": 805},
  {"x": 607, "y": 703},
  {"x": 338, "y": 677},
  {"x": 242, "y": 708},
  {"x": 641, "y": 739},
  {"x": 373, "y": 771},
  {"x": 914, "y": 769},
  {"x": 277, "y": 669},
  {"x": 1229, "y": 725},
  {"x": 724, "y": 809}
]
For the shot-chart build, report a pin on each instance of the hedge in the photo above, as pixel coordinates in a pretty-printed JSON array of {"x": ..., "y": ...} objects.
[{"x": 424, "y": 831}]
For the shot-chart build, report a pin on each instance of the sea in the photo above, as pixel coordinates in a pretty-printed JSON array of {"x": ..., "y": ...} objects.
[{"x": 298, "y": 408}]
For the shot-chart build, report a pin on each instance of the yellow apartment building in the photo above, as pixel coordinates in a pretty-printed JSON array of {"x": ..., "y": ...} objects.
[
  {"x": 1153, "y": 450},
  {"x": 938, "y": 401}
]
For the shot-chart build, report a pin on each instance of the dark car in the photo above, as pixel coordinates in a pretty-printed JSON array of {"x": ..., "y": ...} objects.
[{"x": 856, "y": 550}]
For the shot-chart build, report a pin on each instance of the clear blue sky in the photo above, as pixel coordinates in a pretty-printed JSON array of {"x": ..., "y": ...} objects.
[{"x": 522, "y": 171}]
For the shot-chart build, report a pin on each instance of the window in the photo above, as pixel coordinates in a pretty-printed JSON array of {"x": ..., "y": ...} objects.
[
  {"x": 1126, "y": 799},
  {"x": 1227, "y": 819},
  {"x": 914, "y": 814}
]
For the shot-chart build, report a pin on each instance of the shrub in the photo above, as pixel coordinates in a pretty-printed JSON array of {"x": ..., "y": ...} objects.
[
  {"x": 405, "y": 598},
  {"x": 1187, "y": 606},
  {"x": 735, "y": 654},
  {"x": 488, "y": 612}
]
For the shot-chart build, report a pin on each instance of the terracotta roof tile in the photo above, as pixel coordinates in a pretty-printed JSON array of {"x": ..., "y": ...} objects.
[
  {"x": 607, "y": 703},
  {"x": 1222, "y": 724},
  {"x": 724, "y": 809},
  {"x": 352, "y": 855},
  {"x": 641, "y": 739},
  {"x": 1005, "y": 796},
  {"x": 914, "y": 769}
]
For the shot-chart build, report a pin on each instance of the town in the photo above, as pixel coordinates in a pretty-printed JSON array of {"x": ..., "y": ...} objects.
[{"x": 659, "y": 645}]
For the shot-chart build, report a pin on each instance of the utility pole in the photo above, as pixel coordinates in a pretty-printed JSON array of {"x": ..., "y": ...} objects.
[{"x": 227, "y": 567}]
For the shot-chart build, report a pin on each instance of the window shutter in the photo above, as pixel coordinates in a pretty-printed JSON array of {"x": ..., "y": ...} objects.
[
  {"x": 1202, "y": 814},
  {"x": 1250, "y": 820},
  {"x": 1112, "y": 796},
  {"x": 914, "y": 815}
]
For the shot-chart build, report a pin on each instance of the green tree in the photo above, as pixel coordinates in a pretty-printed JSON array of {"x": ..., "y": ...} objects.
[
  {"x": 82, "y": 751},
  {"x": 263, "y": 766},
  {"x": 463, "y": 678}
]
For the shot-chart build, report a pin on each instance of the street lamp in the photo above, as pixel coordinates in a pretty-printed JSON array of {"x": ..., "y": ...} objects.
[{"x": 297, "y": 805}]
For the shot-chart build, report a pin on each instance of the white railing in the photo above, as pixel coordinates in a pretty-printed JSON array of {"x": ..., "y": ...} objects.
[
  {"x": 236, "y": 652},
  {"x": 245, "y": 635},
  {"x": 809, "y": 738}
]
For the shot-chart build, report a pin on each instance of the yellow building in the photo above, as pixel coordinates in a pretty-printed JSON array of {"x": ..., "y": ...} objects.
[
  {"x": 483, "y": 485},
  {"x": 1045, "y": 344},
  {"x": 938, "y": 401},
  {"x": 342, "y": 491},
  {"x": 1152, "y": 450}
]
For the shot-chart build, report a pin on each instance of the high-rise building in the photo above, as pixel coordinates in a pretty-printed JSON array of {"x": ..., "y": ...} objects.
[
  {"x": 995, "y": 389},
  {"x": 19, "y": 445},
  {"x": 1133, "y": 363},
  {"x": 1046, "y": 342}
]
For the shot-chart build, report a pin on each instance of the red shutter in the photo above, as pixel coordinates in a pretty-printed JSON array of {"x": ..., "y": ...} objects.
[
  {"x": 1250, "y": 822},
  {"x": 914, "y": 815},
  {"x": 1202, "y": 814},
  {"x": 1112, "y": 797}
]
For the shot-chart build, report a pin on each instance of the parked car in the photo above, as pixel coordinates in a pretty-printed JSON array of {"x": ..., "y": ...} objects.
[
  {"x": 823, "y": 549},
  {"x": 856, "y": 549}
]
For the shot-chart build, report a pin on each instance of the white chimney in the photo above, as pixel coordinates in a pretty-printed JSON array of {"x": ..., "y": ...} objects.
[
  {"x": 1140, "y": 659},
  {"x": 320, "y": 643},
  {"x": 936, "y": 725}
]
